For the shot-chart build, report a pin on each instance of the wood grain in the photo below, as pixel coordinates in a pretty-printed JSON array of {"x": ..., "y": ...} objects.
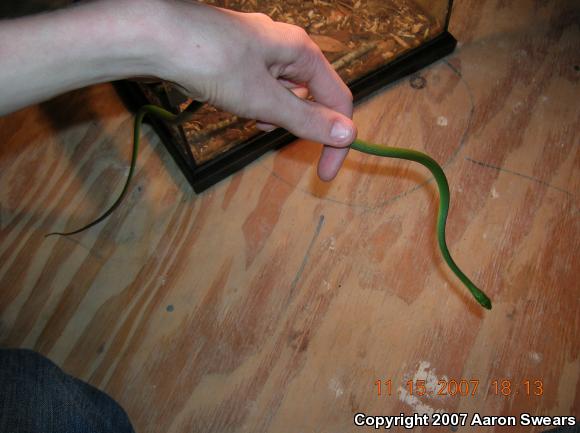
[{"x": 273, "y": 301}]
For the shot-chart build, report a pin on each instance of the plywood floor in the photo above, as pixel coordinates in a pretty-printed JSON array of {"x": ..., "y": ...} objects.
[{"x": 273, "y": 302}]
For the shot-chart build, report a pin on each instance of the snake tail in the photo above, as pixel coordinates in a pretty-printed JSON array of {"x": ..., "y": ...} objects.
[
  {"x": 444, "y": 196},
  {"x": 143, "y": 111}
]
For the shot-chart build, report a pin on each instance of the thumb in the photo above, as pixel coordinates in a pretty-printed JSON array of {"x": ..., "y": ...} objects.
[
  {"x": 309, "y": 120},
  {"x": 312, "y": 120}
]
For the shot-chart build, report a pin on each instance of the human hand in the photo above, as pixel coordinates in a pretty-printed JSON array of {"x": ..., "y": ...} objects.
[{"x": 260, "y": 69}]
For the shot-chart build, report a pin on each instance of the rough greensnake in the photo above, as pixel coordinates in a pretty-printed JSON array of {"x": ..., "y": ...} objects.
[{"x": 359, "y": 145}]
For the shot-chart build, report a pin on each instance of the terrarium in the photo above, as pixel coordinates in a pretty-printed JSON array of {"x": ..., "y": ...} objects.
[{"x": 370, "y": 43}]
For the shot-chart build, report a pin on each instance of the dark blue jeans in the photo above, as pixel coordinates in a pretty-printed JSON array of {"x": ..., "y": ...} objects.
[{"x": 36, "y": 396}]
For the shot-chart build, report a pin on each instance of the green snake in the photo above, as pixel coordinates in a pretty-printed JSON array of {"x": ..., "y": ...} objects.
[{"x": 359, "y": 145}]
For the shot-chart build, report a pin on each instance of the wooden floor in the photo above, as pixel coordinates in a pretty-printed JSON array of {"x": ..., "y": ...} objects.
[{"x": 273, "y": 302}]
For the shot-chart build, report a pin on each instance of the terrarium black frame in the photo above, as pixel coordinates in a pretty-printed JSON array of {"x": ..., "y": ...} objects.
[{"x": 203, "y": 175}]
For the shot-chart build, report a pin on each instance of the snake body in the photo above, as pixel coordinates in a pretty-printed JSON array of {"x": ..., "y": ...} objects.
[
  {"x": 359, "y": 145},
  {"x": 443, "y": 185}
]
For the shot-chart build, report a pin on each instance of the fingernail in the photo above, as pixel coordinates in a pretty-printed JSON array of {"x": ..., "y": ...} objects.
[{"x": 340, "y": 131}]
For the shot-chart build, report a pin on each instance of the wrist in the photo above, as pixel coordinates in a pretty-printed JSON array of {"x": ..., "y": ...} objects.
[
  {"x": 167, "y": 33},
  {"x": 128, "y": 39}
]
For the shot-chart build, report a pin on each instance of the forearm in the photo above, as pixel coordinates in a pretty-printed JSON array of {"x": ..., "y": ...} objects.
[
  {"x": 44, "y": 55},
  {"x": 242, "y": 63}
]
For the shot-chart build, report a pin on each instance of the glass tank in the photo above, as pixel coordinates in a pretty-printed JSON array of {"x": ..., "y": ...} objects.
[{"x": 370, "y": 43}]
